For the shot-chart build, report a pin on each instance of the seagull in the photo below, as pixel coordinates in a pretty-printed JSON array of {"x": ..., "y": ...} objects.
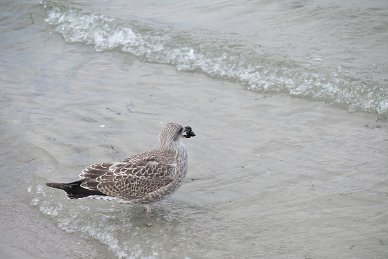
[{"x": 141, "y": 178}]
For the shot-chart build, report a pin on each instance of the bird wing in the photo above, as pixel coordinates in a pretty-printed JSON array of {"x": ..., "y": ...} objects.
[
  {"x": 91, "y": 173},
  {"x": 134, "y": 178}
]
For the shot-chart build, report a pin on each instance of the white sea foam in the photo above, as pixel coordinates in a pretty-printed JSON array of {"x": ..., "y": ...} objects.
[{"x": 215, "y": 58}]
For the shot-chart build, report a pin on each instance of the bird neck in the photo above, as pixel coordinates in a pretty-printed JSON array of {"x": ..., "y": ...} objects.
[
  {"x": 180, "y": 152},
  {"x": 181, "y": 158},
  {"x": 175, "y": 146}
]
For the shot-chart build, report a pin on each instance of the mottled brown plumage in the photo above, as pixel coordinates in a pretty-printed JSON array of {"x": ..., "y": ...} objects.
[{"x": 142, "y": 178}]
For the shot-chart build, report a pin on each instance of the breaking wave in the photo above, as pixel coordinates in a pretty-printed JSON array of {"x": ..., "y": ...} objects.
[{"x": 216, "y": 57}]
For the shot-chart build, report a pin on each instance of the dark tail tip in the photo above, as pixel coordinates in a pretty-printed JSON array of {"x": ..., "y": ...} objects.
[
  {"x": 74, "y": 189},
  {"x": 56, "y": 185}
]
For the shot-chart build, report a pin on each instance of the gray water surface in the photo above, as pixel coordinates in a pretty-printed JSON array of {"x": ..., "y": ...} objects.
[{"x": 270, "y": 176}]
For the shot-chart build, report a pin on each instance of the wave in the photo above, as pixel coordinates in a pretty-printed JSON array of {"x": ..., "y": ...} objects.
[{"x": 217, "y": 58}]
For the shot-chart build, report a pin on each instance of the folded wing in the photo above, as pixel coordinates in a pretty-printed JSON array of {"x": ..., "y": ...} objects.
[{"x": 130, "y": 179}]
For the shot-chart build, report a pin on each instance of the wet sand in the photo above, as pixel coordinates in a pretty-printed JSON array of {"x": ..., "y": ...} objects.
[{"x": 26, "y": 232}]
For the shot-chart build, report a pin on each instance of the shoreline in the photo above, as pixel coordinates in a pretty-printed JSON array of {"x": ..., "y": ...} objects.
[{"x": 26, "y": 231}]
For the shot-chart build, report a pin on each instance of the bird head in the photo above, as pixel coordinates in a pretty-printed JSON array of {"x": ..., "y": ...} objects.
[{"x": 173, "y": 132}]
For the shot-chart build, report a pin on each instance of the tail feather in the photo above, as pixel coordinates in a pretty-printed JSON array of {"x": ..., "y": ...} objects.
[{"x": 74, "y": 190}]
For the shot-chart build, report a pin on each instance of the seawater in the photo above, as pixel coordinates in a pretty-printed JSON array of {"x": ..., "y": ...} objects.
[
  {"x": 245, "y": 60},
  {"x": 279, "y": 177}
]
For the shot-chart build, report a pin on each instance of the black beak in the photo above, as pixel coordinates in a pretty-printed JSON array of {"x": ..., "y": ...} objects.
[{"x": 187, "y": 132}]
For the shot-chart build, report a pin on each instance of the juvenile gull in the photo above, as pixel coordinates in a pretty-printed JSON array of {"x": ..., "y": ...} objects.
[{"x": 142, "y": 178}]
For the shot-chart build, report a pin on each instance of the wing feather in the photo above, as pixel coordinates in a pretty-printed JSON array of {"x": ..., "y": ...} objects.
[
  {"x": 137, "y": 177},
  {"x": 132, "y": 178},
  {"x": 91, "y": 173}
]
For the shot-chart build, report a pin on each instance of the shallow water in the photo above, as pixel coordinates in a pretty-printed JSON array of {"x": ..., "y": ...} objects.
[
  {"x": 269, "y": 176},
  {"x": 319, "y": 50}
]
